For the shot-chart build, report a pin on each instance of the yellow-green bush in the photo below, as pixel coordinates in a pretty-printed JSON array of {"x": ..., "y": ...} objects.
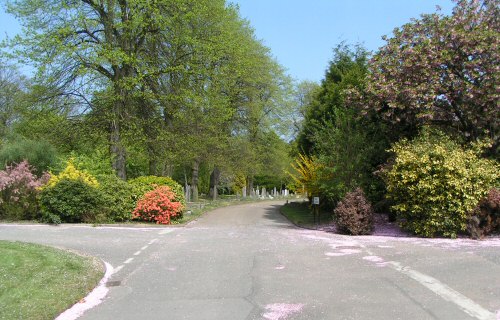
[
  {"x": 435, "y": 183},
  {"x": 72, "y": 173}
]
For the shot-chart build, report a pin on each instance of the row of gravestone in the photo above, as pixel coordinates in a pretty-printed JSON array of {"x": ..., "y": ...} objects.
[{"x": 261, "y": 193}]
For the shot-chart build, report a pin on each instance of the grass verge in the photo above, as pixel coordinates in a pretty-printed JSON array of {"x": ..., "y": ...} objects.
[
  {"x": 39, "y": 282},
  {"x": 300, "y": 214}
]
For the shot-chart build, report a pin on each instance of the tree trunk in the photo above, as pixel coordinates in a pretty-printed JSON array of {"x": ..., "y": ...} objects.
[
  {"x": 194, "y": 179},
  {"x": 249, "y": 185},
  {"x": 214, "y": 182},
  {"x": 117, "y": 149}
]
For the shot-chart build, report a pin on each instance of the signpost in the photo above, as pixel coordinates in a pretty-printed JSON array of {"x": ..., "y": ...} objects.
[{"x": 316, "y": 209}]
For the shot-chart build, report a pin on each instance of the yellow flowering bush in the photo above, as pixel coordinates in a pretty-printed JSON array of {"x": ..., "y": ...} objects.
[
  {"x": 435, "y": 183},
  {"x": 72, "y": 173}
]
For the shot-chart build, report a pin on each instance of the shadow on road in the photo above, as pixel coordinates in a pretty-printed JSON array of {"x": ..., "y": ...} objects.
[{"x": 273, "y": 214}]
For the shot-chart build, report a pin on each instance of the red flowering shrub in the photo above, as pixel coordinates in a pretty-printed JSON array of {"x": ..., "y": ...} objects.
[{"x": 158, "y": 206}]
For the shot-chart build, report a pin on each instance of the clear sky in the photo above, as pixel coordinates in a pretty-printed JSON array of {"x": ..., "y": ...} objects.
[{"x": 302, "y": 33}]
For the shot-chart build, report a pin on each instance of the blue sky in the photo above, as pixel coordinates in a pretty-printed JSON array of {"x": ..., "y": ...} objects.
[{"x": 302, "y": 33}]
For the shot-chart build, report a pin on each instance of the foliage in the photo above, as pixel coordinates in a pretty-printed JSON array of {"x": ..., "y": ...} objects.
[
  {"x": 117, "y": 198},
  {"x": 95, "y": 162},
  {"x": 349, "y": 146},
  {"x": 71, "y": 200},
  {"x": 435, "y": 183},
  {"x": 40, "y": 154},
  {"x": 354, "y": 214},
  {"x": 18, "y": 191},
  {"x": 307, "y": 174},
  {"x": 141, "y": 185},
  {"x": 485, "y": 217},
  {"x": 158, "y": 206},
  {"x": 41, "y": 282},
  {"x": 300, "y": 214},
  {"x": 70, "y": 172},
  {"x": 441, "y": 70},
  {"x": 12, "y": 94}
]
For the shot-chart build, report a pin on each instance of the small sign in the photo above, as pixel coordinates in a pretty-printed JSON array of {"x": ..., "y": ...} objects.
[{"x": 316, "y": 200}]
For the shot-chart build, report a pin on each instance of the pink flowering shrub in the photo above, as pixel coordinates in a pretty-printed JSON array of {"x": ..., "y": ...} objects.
[
  {"x": 18, "y": 190},
  {"x": 158, "y": 206}
]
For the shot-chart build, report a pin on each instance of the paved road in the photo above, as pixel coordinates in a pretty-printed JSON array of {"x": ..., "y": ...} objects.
[{"x": 248, "y": 262}]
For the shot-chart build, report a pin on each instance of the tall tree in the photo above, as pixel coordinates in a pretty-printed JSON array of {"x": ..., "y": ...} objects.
[
  {"x": 83, "y": 46},
  {"x": 348, "y": 146},
  {"x": 441, "y": 70},
  {"x": 12, "y": 95}
]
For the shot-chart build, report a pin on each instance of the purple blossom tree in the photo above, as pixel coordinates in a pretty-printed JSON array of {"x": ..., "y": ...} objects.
[{"x": 441, "y": 70}]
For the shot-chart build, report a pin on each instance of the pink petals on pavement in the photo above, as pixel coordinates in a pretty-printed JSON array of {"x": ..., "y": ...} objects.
[{"x": 281, "y": 311}]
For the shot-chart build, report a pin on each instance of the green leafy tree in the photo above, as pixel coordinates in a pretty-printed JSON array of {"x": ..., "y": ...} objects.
[{"x": 349, "y": 146}]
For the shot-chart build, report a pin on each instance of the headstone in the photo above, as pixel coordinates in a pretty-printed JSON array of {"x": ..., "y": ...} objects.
[
  {"x": 274, "y": 192},
  {"x": 244, "y": 191},
  {"x": 264, "y": 192}
]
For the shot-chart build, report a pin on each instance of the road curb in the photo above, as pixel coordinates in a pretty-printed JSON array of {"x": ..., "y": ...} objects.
[{"x": 94, "y": 298}]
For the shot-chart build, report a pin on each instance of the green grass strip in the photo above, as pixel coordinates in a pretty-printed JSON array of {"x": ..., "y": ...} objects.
[
  {"x": 39, "y": 282},
  {"x": 300, "y": 214}
]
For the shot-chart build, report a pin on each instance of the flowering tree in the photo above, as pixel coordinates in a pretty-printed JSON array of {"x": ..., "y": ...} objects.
[
  {"x": 18, "y": 188},
  {"x": 441, "y": 70},
  {"x": 158, "y": 206}
]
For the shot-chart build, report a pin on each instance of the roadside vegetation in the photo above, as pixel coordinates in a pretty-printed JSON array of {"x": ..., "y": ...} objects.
[
  {"x": 189, "y": 105},
  {"x": 40, "y": 282},
  {"x": 415, "y": 125},
  {"x": 301, "y": 214}
]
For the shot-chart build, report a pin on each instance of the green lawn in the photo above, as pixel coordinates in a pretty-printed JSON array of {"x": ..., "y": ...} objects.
[
  {"x": 300, "y": 214},
  {"x": 39, "y": 282}
]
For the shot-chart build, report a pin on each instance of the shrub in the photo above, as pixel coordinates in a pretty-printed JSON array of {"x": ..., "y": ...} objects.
[
  {"x": 158, "y": 206},
  {"x": 117, "y": 197},
  {"x": 72, "y": 201},
  {"x": 72, "y": 173},
  {"x": 435, "y": 183},
  {"x": 485, "y": 218},
  {"x": 354, "y": 214},
  {"x": 40, "y": 154},
  {"x": 144, "y": 184},
  {"x": 18, "y": 190}
]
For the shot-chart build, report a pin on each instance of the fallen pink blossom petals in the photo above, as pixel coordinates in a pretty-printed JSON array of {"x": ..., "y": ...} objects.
[
  {"x": 373, "y": 259},
  {"x": 336, "y": 254},
  {"x": 350, "y": 251},
  {"x": 279, "y": 268},
  {"x": 281, "y": 311}
]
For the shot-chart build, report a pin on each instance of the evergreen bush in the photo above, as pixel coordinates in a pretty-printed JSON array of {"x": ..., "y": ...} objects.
[
  {"x": 435, "y": 183},
  {"x": 117, "y": 197},
  {"x": 71, "y": 201}
]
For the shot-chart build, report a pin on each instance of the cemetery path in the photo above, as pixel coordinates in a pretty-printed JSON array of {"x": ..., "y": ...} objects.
[{"x": 249, "y": 262}]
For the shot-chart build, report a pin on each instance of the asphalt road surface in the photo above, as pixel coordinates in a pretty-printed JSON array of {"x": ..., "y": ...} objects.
[{"x": 249, "y": 262}]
